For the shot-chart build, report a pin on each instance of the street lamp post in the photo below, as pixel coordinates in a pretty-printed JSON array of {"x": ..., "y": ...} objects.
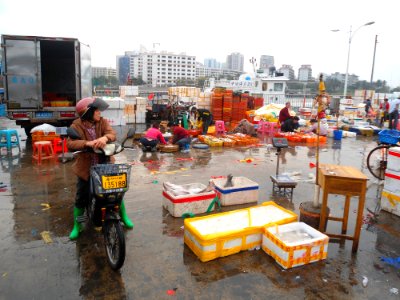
[{"x": 351, "y": 35}]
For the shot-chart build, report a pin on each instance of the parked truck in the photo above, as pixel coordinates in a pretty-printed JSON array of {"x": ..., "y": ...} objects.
[{"x": 44, "y": 77}]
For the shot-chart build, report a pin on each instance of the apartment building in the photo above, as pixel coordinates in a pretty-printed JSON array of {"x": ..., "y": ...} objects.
[
  {"x": 305, "y": 73},
  {"x": 103, "y": 71},
  {"x": 235, "y": 61},
  {"x": 162, "y": 68},
  {"x": 287, "y": 71}
]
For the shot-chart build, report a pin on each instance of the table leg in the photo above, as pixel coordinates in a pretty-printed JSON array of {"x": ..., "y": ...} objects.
[
  {"x": 359, "y": 218},
  {"x": 346, "y": 214},
  {"x": 323, "y": 217}
]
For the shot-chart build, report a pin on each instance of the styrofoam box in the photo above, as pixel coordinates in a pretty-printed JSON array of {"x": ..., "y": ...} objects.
[
  {"x": 243, "y": 190},
  {"x": 128, "y": 90},
  {"x": 349, "y": 134},
  {"x": 393, "y": 163},
  {"x": 114, "y": 102},
  {"x": 114, "y": 116},
  {"x": 392, "y": 181},
  {"x": 390, "y": 202},
  {"x": 227, "y": 233},
  {"x": 296, "y": 253},
  {"x": 192, "y": 203}
]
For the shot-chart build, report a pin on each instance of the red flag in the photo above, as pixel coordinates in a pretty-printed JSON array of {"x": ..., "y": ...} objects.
[{"x": 151, "y": 96}]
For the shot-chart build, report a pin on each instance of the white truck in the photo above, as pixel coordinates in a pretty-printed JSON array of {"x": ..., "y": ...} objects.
[{"x": 44, "y": 77}]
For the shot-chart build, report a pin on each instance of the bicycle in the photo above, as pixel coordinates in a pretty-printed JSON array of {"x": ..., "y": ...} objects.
[{"x": 377, "y": 157}]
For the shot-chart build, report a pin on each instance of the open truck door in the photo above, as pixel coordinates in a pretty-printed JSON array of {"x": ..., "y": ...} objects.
[{"x": 22, "y": 73}]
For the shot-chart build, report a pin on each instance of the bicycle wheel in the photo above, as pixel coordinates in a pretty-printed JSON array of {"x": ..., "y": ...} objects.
[
  {"x": 377, "y": 161},
  {"x": 114, "y": 238}
]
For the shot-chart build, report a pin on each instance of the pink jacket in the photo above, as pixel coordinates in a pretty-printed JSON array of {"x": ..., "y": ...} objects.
[{"x": 155, "y": 134}]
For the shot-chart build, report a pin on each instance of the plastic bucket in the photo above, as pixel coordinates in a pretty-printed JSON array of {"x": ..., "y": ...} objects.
[{"x": 337, "y": 135}]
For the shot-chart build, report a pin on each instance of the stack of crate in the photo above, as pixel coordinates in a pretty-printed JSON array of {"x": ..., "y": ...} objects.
[
  {"x": 239, "y": 107},
  {"x": 258, "y": 102},
  {"x": 204, "y": 101},
  {"x": 391, "y": 192},
  {"x": 217, "y": 105},
  {"x": 227, "y": 109}
]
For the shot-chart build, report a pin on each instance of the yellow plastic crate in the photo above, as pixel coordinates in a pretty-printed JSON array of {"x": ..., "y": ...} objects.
[{"x": 227, "y": 233}]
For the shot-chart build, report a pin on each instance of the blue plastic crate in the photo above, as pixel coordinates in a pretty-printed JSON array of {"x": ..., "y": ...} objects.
[{"x": 388, "y": 136}]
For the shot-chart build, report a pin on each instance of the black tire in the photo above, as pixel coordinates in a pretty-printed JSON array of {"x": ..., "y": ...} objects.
[
  {"x": 377, "y": 161},
  {"x": 114, "y": 239}
]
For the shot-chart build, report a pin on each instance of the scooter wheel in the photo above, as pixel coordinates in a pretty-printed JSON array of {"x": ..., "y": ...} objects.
[{"x": 114, "y": 238}]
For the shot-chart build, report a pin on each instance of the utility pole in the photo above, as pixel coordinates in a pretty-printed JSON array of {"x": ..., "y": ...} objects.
[{"x": 373, "y": 59}]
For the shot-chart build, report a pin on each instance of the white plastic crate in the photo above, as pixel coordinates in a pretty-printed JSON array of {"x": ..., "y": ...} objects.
[
  {"x": 392, "y": 181},
  {"x": 390, "y": 202},
  {"x": 243, "y": 191},
  {"x": 189, "y": 203},
  {"x": 393, "y": 163},
  {"x": 295, "y": 244}
]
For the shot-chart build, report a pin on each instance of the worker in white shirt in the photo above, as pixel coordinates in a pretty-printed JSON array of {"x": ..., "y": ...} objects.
[
  {"x": 323, "y": 127},
  {"x": 394, "y": 112}
]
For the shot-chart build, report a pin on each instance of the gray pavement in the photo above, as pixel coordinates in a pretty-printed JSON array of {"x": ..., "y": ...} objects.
[{"x": 157, "y": 259}]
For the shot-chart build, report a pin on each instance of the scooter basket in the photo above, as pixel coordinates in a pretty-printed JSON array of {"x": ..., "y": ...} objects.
[{"x": 110, "y": 178}]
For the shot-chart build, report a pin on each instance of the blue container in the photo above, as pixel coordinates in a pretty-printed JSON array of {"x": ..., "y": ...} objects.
[
  {"x": 389, "y": 136},
  {"x": 3, "y": 110},
  {"x": 337, "y": 135}
]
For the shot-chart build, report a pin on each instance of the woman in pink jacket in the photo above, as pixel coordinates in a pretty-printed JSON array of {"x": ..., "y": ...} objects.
[{"x": 153, "y": 137}]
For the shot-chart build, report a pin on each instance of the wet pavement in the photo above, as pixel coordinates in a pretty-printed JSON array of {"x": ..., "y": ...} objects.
[{"x": 39, "y": 199}]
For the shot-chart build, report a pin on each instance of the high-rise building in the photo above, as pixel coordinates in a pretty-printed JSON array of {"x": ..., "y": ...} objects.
[
  {"x": 212, "y": 63},
  {"x": 352, "y": 79},
  {"x": 203, "y": 71},
  {"x": 235, "y": 61},
  {"x": 305, "y": 73},
  {"x": 123, "y": 69},
  {"x": 287, "y": 71},
  {"x": 103, "y": 71},
  {"x": 266, "y": 62},
  {"x": 162, "y": 68}
]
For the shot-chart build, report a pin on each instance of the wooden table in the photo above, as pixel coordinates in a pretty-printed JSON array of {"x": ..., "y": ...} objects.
[{"x": 347, "y": 181}]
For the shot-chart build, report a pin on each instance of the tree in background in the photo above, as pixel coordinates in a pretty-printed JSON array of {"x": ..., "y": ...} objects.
[{"x": 104, "y": 81}]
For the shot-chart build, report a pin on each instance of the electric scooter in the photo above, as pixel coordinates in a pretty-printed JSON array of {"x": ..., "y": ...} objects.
[{"x": 108, "y": 184}]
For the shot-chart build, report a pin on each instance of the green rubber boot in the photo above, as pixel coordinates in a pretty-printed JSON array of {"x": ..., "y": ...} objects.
[
  {"x": 124, "y": 216},
  {"x": 77, "y": 226}
]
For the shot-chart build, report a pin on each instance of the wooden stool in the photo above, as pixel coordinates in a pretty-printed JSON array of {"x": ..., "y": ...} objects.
[
  {"x": 42, "y": 150},
  {"x": 347, "y": 181}
]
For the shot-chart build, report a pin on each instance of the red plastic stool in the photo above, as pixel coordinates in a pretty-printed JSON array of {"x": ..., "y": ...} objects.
[
  {"x": 42, "y": 150},
  {"x": 219, "y": 127},
  {"x": 58, "y": 145}
]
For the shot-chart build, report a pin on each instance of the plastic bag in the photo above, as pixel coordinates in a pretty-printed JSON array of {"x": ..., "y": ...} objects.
[{"x": 46, "y": 128}]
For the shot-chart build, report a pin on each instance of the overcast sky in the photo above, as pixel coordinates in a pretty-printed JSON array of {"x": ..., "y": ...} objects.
[{"x": 294, "y": 32}]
